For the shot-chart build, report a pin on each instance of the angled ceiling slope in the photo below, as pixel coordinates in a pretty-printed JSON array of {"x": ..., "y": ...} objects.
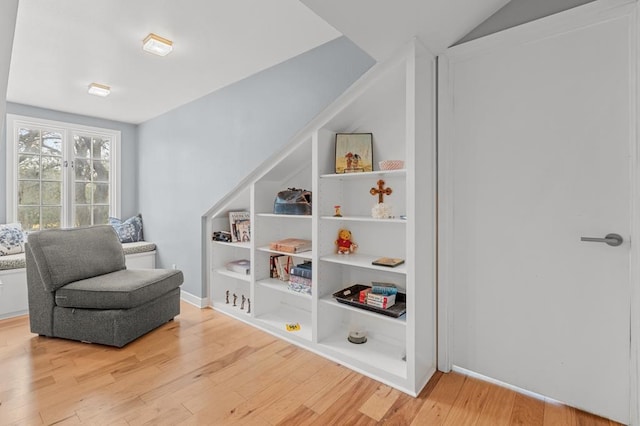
[
  {"x": 380, "y": 27},
  {"x": 61, "y": 46}
]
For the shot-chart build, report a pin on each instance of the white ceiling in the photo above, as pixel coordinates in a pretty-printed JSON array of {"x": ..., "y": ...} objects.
[
  {"x": 379, "y": 27},
  {"x": 61, "y": 46}
]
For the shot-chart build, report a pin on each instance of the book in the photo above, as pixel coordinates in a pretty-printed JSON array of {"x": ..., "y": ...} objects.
[
  {"x": 391, "y": 262},
  {"x": 383, "y": 288},
  {"x": 386, "y": 301},
  {"x": 384, "y": 304},
  {"x": 299, "y": 287},
  {"x": 283, "y": 265},
  {"x": 291, "y": 245},
  {"x": 307, "y": 264},
  {"x": 273, "y": 269},
  {"x": 243, "y": 228},
  {"x": 234, "y": 218},
  {"x": 299, "y": 280},
  {"x": 302, "y": 270},
  {"x": 377, "y": 300},
  {"x": 241, "y": 266}
]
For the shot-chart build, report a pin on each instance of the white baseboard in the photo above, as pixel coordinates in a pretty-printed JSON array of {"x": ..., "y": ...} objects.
[
  {"x": 196, "y": 301},
  {"x": 13, "y": 314},
  {"x": 491, "y": 380}
]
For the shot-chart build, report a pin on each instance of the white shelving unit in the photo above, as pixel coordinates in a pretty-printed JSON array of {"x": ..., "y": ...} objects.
[{"x": 394, "y": 101}]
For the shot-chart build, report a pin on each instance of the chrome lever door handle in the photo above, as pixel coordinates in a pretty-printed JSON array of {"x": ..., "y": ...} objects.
[{"x": 613, "y": 240}]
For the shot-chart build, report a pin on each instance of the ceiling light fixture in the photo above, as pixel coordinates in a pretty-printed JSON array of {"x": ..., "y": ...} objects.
[
  {"x": 99, "y": 89},
  {"x": 157, "y": 45}
]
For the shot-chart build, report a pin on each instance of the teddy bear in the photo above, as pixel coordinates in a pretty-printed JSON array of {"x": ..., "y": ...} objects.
[{"x": 344, "y": 243}]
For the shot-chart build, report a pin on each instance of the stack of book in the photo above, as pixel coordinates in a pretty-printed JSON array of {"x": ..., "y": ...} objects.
[
  {"x": 291, "y": 245},
  {"x": 381, "y": 295},
  {"x": 300, "y": 278}
]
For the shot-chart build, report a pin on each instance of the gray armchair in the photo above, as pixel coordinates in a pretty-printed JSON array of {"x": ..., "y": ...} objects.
[{"x": 79, "y": 288}]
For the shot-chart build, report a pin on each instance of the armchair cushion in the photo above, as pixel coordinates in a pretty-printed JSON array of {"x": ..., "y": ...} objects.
[
  {"x": 124, "y": 289},
  {"x": 66, "y": 255}
]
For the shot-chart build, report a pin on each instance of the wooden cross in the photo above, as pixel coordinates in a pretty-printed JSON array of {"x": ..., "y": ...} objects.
[{"x": 380, "y": 191}]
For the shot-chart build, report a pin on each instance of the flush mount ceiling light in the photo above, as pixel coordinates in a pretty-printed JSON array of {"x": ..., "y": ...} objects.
[
  {"x": 99, "y": 89},
  {"x": 157, "y": 45}
]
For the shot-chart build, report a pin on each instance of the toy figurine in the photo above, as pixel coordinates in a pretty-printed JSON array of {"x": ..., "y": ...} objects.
[
  {"x": 344, "y": 243},
  {"x": 338, "y": 213},
  {"x": 227, "y": 297},
  {"x": 235, "y": 298},
  {"x": 248, "y": 305},
  {"x": 242, "y": 302}
]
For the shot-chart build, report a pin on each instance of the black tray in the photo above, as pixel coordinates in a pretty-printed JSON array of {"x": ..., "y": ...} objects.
[{"x": 353, "y": 294}]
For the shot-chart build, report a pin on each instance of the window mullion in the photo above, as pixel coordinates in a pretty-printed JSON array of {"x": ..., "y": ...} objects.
[{"x": 67, "y": 185}]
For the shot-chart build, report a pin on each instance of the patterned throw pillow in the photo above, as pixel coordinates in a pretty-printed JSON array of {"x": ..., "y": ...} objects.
[
  {"x": 12, "y": 239},
  {"x": 130, "y": 230}
]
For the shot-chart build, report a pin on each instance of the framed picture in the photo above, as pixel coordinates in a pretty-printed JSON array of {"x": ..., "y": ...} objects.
[{"x": 354, "y": 152}]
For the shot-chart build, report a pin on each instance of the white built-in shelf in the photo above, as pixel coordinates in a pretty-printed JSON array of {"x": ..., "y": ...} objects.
[
  {"x": 364, "y": 219},
  {"x": 362, "y": 261},
  {"x": 365, "y": 175},
  {"x": 393, "y": 103},
  {"x": 278, "y": 285},
  {"x": 379, "y": 354},
  {"x": 278, "y": 319},
  {"x": 303, "y": 255},
  {"x": 236, "y": 275},
  {"x": 328, "y": 300},
  {"x": 285, "y": 216},
  {"x": 245, "y": 245}
]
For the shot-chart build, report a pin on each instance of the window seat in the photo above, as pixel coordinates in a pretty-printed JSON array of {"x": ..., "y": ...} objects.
[
  {"x": 16, "y": 261},
  {"x": 12, "y": 261},
  {"x": 13, "y": 275}
]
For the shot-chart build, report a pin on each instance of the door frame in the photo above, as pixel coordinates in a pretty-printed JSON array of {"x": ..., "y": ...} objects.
[{"x": 570, "y": 20}]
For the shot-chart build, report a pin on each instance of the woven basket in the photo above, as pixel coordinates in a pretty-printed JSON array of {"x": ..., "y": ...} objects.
[{"x": 391, "y": 164}]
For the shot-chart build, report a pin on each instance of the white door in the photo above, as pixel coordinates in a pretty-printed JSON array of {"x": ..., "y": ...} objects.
[{"x": 537, "y": 140}]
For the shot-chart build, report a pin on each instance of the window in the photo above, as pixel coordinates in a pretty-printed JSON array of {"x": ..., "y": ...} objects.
[{"x": 60, "y": 175}]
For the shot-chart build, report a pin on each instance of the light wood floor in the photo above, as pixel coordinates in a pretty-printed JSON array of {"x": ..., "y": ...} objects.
[{"x": 207, "y": 369}]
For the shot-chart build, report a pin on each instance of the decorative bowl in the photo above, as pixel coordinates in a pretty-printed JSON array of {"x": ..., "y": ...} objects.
[{"x": 391, "y": 164}]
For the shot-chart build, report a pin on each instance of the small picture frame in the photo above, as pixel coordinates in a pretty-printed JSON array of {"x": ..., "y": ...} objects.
[{"x": 354, "y": 152}]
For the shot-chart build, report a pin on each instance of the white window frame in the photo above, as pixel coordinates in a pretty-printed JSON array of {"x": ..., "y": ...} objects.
[{"x": 14, "y": 122}]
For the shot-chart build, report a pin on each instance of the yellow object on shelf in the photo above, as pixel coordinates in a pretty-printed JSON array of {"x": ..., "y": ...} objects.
[{"x": 292, "y": 326}]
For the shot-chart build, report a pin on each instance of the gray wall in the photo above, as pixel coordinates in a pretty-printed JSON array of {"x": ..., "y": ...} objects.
[
  {"x": 518, "y": 12},
  {"x": 194, "y": 155},
  {"x": 129, "y": 152}
]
